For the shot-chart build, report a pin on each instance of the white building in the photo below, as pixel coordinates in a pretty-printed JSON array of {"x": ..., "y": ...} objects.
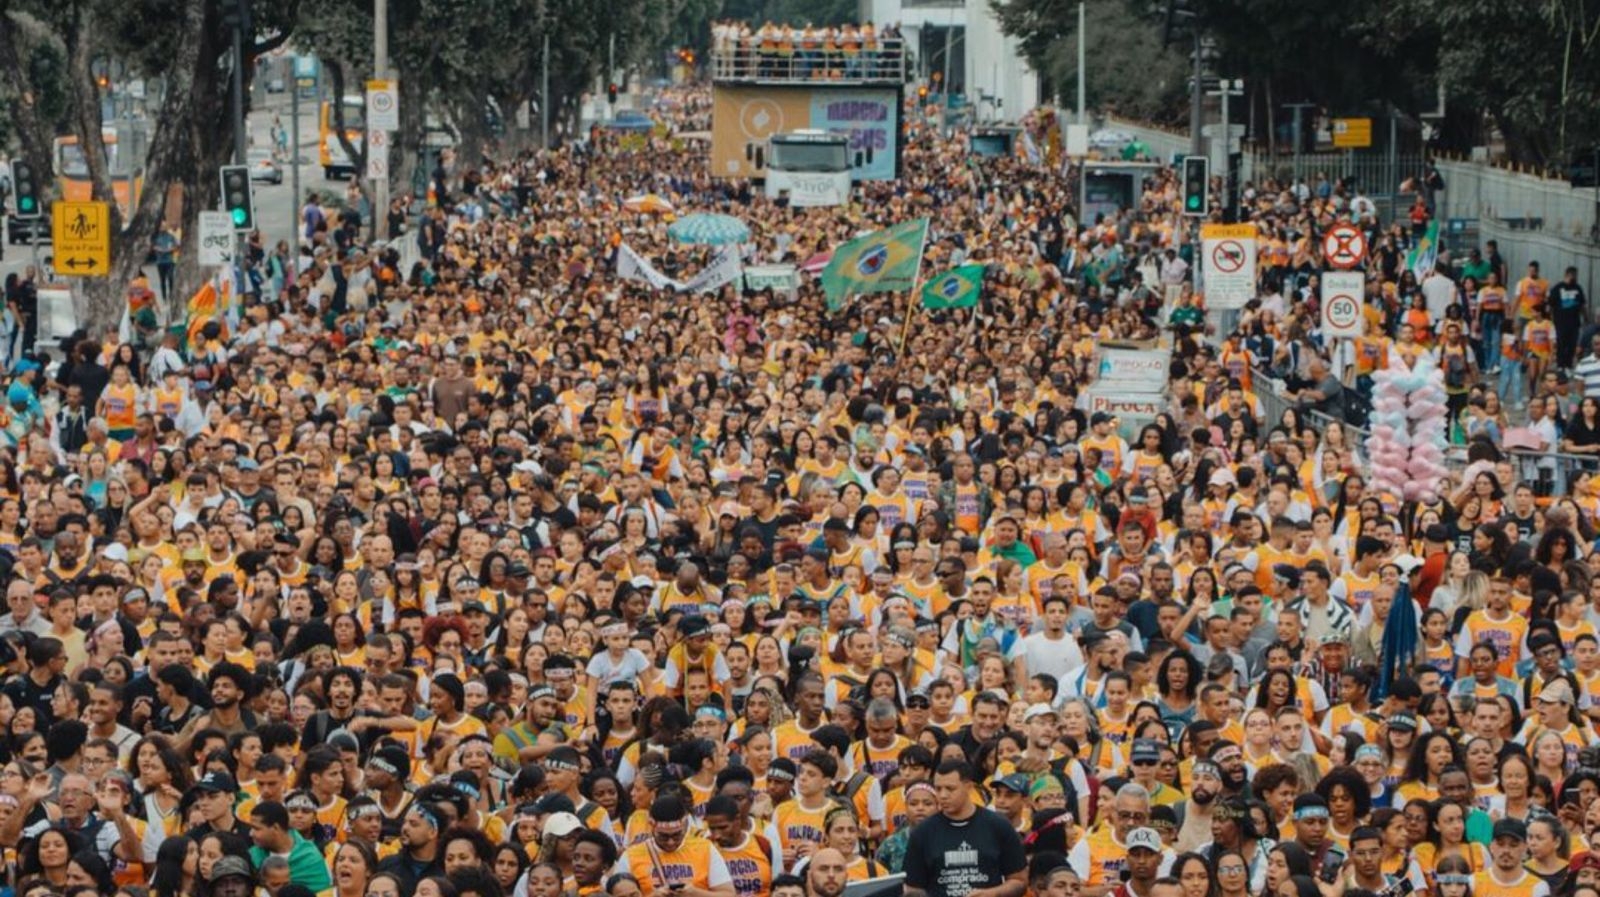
[{"x": 983, "y": 62}]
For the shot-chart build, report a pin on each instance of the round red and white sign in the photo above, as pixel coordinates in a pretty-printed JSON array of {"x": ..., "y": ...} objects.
[
  {"x": 1341, "y": 315},
  {"x": 1228, "y": 256},
  {"x": 1344, "y": 246}
]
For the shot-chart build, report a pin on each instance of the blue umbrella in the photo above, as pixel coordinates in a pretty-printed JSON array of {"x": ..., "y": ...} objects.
[
  {"x": 1399, "y": 640},
  {"x": 707, "y": 229}
]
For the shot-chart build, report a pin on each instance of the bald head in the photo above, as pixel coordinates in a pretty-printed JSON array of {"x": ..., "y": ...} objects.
[{"x": 826, "y": 875}]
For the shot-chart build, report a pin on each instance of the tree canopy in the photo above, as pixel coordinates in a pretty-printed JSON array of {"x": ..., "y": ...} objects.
[{"x": 1523, "y": 73}]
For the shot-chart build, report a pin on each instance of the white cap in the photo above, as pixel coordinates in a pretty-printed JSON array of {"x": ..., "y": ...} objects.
[
  {"x": 1037, "y": 710},
  {"x": 1407, "y": 563},
  {"x": 560, "y": 825},
  {"x": 1139, "y": 837}
]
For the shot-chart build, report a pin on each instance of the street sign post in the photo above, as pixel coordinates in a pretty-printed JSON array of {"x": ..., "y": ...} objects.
[
  {"x": 1228, "y": 264},
  {"x": 1344, "y": 247},
  {"x": 1342, "y": 293},
  {"x": 81, "y": 232}
]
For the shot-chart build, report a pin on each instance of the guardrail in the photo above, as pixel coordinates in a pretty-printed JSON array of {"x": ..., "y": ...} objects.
[{"x": 884, "y": 64}]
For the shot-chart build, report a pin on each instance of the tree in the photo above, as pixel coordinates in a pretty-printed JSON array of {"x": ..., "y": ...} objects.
[
  {"x": 1127, "y": 68},
  {"x": 183, "y": 42}
]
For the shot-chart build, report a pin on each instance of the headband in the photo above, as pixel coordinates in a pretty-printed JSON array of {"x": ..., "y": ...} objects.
[
  {"x": 562, "y": 673},
  {"x": 914, "y": 786},
  {"x": 1369, "y": 750},
  {"x": 613, "y": 629},
  {"x": 711, "y": 711},
  {"x": 1311, "y": 813},
  {"x": 383, "y": 765},
  {"x": 1228, "y": 812},
  {"x": 1452, "y": 878},
  {"x": 669, "y": 828},
  {"x": 300, "y": 802},
  {"x": 782, "y": 775},
  {"x": 560, "y": 764},
  {"x": 427, "y": 815},
  {"x": 467, "y": 788},
  {"x": 363, "y": 811}
]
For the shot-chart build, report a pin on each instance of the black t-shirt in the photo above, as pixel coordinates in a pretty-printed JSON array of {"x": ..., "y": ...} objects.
[{"x": 951, "y": 859}]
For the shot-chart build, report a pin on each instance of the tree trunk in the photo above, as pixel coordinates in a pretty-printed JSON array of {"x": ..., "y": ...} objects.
[
  {"x": 358, "y": 160},
  {"x": 34, "y": 136},
  {"x": 103, "y": 294},
  {"x": 413, "y": 99}
]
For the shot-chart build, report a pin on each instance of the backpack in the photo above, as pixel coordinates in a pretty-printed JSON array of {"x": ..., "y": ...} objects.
[
  {"x": 1455, "y": 369},
  {"x": 852, "y": 787}
]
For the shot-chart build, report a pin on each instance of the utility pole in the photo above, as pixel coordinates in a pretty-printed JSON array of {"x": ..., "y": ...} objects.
[
  {"x": 294, "y": 157},
  {"x": 1083, "y": 118},
  {"x": 241, "y": 21},
  {"x": 544, "y": 93},
  {"x": 1197, "y": 100},
  {"x": 949, "y": 38},
  {"x": 611, "y": 71},
  {"x": 380, "y": 65}
]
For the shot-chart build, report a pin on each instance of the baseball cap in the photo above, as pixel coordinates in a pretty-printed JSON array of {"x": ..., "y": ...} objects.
[
  {"x": 1038, "y": 710},
  {"x": 217, "y": 783},
  {"x": 1144, "y": 839},
  {"x": 1145, "y": 750},
  {"x": 231, "y": 866},
  {"x": 1556, "y": 691},
  {"x": 1584, "y": 859},
  {"x": 1510, "y": 828},
  {"x": 1015, "y": 782},
  {"x": 560, "y": 825}
]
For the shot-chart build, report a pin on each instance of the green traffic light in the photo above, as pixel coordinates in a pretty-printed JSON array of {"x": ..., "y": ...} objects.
[
  {"x": 1194, "y": 202},
  {"x": 27, "y": 204},
  {"x": 238, "y": 217}
]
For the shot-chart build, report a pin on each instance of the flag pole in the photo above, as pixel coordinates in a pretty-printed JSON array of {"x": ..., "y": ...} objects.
[{"x": 913, "y": 299}]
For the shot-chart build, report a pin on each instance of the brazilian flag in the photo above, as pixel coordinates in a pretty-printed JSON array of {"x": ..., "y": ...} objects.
[
  {"x": 957, "y": 288},
  {"x": 880, "y": 262}
]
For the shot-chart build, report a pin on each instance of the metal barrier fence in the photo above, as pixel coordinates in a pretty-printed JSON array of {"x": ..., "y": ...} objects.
[
  {"x": 1550, "y": 473},
  {"x": 1376, "y": 174},
  {"x": 885, "y": 64}
]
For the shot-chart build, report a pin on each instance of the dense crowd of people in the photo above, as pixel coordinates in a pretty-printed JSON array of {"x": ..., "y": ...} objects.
[{"x": 498, "y": 575}]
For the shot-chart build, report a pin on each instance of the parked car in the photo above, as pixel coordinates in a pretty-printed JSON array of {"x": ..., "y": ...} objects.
[{"x": 264, "y": 168}]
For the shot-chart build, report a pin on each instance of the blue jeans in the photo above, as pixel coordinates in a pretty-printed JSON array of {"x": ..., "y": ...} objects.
[
  {"x": 1492, "y": 322},
  {"x": 1510, "y": 382}
]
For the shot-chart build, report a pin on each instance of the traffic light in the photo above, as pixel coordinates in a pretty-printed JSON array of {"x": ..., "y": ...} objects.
[
  {"x": 1196, "y": 178},
  {"x": 25, "y": 186},
  {"x": 236, "y": 199},
  {"x": 611, "y": 93},
  {"x": 922, "y": 92}
]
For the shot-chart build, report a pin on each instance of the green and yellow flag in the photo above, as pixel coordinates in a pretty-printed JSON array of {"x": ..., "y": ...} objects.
[
  {"x": 880, "y": 262},
  {"x": 957, "y": 288}
]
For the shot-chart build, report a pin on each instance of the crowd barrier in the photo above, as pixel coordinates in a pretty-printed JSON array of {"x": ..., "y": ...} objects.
[{"x": 1550, "y": 473}]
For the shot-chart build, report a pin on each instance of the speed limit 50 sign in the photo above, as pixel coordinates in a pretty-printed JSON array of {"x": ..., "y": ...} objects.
[{"x": 1342, "y": 293}]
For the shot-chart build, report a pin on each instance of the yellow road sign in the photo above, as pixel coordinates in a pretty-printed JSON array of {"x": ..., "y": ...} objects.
[
  {"x": 81, "y": 232},
  {"x": 1352, "y": 133}
]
